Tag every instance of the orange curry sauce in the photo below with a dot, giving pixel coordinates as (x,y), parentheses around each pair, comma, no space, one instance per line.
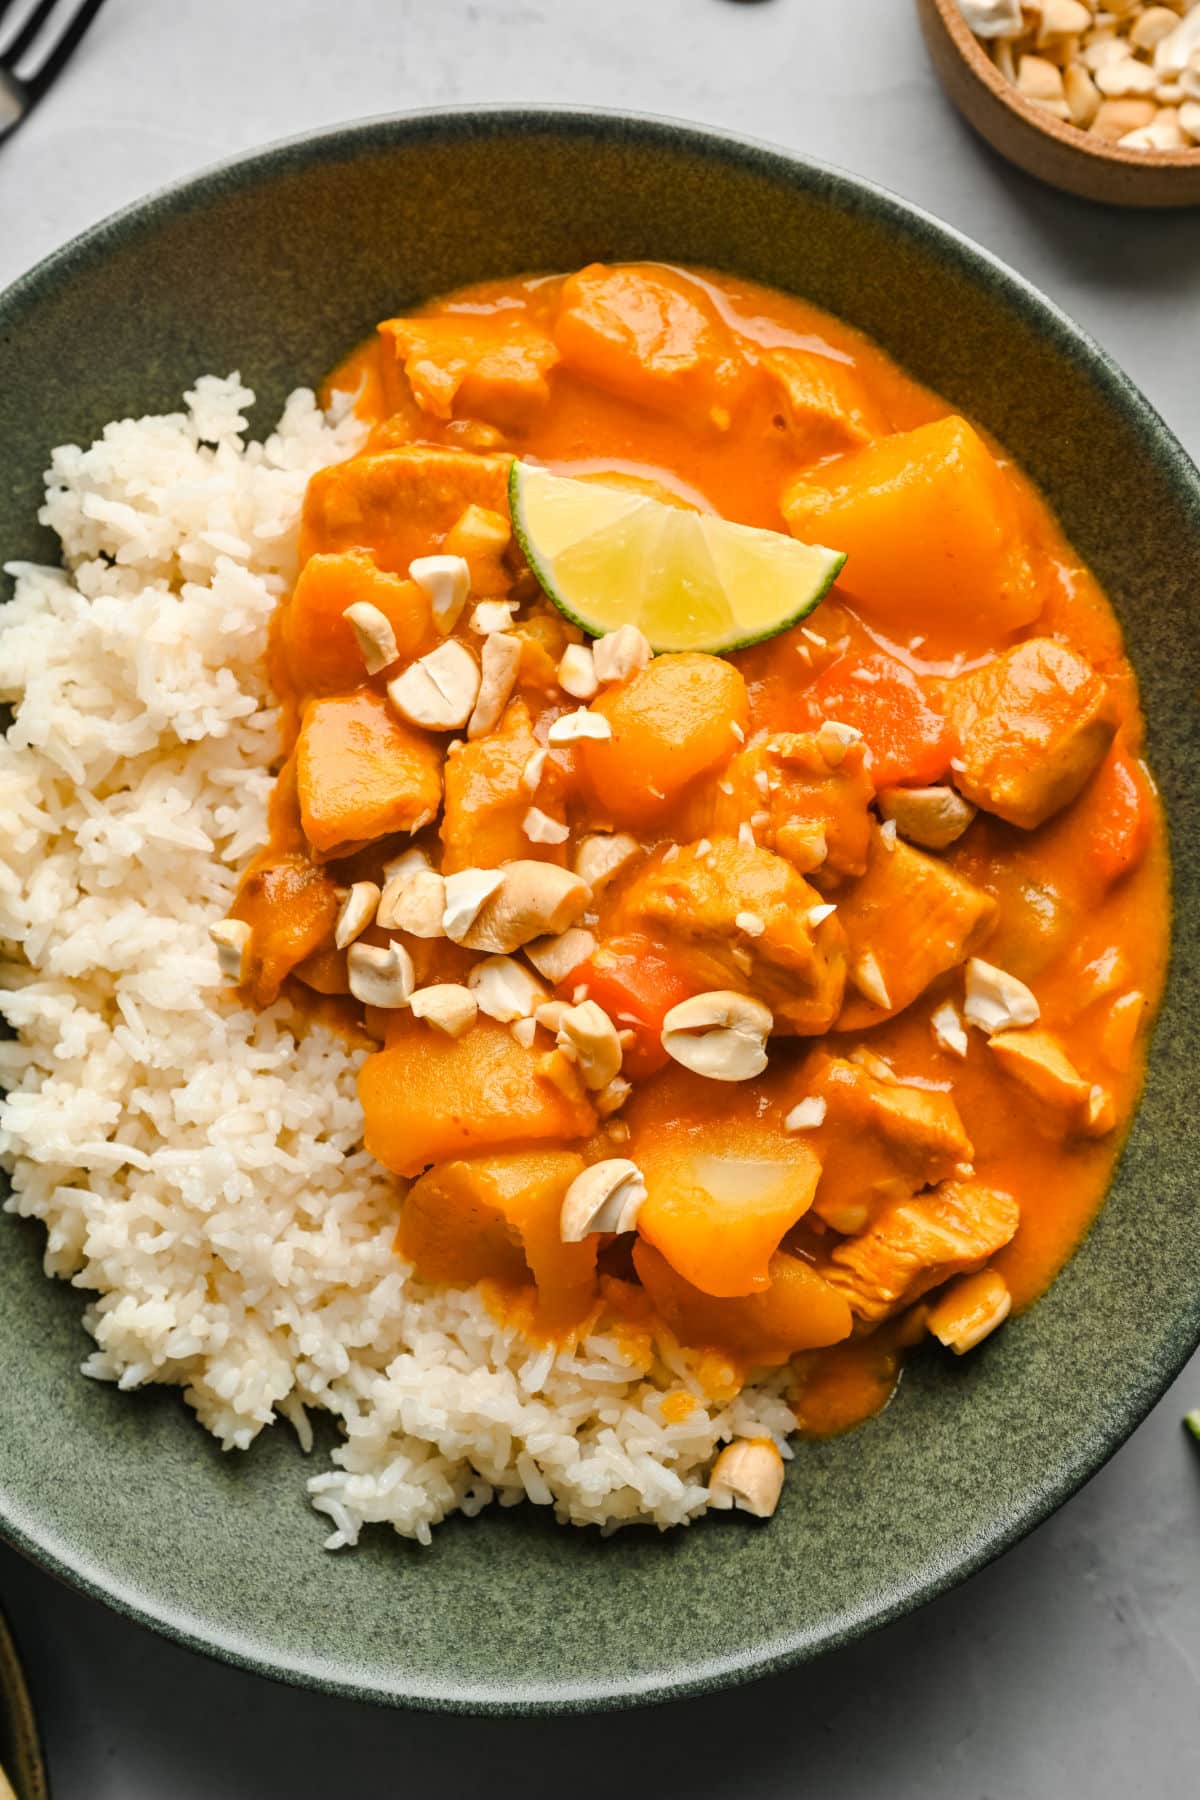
(725,396)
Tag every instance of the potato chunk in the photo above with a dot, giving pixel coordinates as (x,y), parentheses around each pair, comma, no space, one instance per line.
(800,1310)
(290,908)
(908,920)
(919,1243)
(428,1098)
(1033,725)
(497,1218)
(879,1141)
(399,504)
(677,719)
(361,773)
(474,366)
(929,521)
(487,798)
(319,646)
(737,917)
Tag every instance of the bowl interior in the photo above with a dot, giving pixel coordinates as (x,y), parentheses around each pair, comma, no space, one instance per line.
(273,267)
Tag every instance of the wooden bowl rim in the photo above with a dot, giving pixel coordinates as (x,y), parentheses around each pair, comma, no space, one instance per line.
(1071,137)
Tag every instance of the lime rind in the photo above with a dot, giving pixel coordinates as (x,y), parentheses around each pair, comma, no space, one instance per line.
(668,570)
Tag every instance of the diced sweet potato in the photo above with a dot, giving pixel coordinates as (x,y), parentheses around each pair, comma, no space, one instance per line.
(1033,726)
(497,1218)
(802,808)
(653,336)
(398,504)
(427,1098)
(290,908)
(799,1311)
(929,521)
(908,920)
(879,1141)
(917,1244)
(718,1202)
(487,799)
(322,654)
(362,773)
(694,900)
(674,721)
(474,367)
(826,408)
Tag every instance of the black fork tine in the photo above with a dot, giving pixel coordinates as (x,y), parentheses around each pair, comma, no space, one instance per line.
(13,52)
(67,44)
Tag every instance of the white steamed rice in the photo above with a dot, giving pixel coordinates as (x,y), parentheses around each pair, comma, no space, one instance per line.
(198,1168)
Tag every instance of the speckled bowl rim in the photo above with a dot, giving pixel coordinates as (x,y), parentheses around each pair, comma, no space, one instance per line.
(1083,1457)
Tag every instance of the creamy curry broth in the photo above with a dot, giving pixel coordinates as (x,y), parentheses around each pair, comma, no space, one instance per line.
(730,426)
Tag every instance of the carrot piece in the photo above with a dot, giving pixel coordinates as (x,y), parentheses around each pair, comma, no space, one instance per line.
(322,654)
(799,1311)
(909,740)
(678,718)
(428,1099)
(718,1213)
(637,982)
(1119,801)
(291,908)
(497,1218)
(361,773)
(929,521)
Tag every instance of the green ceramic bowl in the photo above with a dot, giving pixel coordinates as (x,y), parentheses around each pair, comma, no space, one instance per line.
(274,266)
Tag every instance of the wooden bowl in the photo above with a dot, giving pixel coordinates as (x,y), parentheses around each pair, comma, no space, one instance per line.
(1040,144)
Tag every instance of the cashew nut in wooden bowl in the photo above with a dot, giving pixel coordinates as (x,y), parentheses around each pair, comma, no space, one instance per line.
(1029,134)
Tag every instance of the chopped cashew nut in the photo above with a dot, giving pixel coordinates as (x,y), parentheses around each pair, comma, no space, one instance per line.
(868,979)
(621,653)
(446,581)
(439,690)
(1099,1112)
(834,739)
(231,937)
(607,1197)
(748,1475)
(524,1031)
(600,859)
(612,1098)
(746,837)
(555,957)
(588,1034)
(969,1310)
(540,828)
(414,902)
(996,1000)
(373,634)
(356,913)
(934,817)
(817,915)
(380,975)
(466,892)
(887,835)
(720,1034)
(549,1017)
(448,1005)
(949,1033)
(750,923)
(531,774)
(504,989)
(500,660)
(806,1115)
(492,615)
(407,863)
(530,900)
(573,727)
(577,672)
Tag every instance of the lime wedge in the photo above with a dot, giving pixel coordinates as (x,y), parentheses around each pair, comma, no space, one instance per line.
(609,556)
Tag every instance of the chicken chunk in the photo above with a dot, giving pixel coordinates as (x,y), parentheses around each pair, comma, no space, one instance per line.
(1033,725)
(737,917)
(489,793)
(399,504)
(474,366)
(907,921)
(919,1243)
(823,403)
(812,813)
(879,1141)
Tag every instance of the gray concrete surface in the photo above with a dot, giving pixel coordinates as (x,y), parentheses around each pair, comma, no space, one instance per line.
(1070,1668)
